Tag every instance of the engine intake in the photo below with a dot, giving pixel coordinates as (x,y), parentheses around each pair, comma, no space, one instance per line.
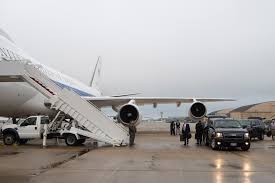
(129,115)
(197,110)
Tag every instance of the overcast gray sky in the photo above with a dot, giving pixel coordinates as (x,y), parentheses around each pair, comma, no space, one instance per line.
(205,48)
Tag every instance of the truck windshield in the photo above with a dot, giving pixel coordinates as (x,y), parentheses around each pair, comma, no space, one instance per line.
(227,124)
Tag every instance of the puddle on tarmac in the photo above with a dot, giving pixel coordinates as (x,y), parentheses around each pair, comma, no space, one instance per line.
(56,164)
(234,166)
(8,153)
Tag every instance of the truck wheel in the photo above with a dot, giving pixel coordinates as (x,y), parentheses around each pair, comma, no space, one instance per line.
(71,140)
(213,144)
(81,141)
(23,141)
(9,139)
(261,137)
(245,148)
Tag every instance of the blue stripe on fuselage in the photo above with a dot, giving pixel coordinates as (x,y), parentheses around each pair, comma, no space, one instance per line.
(79,92)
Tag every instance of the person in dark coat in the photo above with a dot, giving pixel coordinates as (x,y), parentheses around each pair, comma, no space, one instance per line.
(132,133)
(172,128)
(199,132)
(205,133)
(177,128)
(186,133)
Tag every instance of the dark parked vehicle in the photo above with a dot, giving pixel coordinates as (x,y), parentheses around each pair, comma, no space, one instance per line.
(255,127)
(227,133)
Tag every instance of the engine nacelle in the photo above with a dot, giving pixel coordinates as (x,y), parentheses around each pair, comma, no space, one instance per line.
(197,110)
(129,115)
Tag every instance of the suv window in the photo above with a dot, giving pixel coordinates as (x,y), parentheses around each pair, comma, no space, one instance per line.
(45,120)
(29,121)
(245,122)
(227,124)
(254,123)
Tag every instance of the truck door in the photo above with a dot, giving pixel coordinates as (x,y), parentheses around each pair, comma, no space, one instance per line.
(28,129)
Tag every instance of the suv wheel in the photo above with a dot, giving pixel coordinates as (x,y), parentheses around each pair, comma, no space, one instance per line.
(261,137)
(213,144)
(9,139)
(71,140)
(245,148)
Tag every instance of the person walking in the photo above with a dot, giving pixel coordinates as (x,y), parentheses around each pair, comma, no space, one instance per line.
(172,128)
(178,127)
(205,132)
(199,132)
(186,133)
(272,128)
(132,133)
(272,125)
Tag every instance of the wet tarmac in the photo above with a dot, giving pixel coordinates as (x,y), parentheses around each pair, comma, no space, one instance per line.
(155,158)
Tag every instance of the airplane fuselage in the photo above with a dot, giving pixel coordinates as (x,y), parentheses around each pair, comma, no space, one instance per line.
(20,99)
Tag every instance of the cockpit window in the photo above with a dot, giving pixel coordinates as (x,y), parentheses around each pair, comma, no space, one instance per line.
(4,34)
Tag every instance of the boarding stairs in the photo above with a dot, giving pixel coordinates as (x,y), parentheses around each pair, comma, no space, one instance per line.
(95,123)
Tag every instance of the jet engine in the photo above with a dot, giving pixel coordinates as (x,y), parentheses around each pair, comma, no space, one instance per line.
(129,115)
(197,110)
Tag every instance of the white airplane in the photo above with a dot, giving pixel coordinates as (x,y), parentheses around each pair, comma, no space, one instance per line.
(19,99)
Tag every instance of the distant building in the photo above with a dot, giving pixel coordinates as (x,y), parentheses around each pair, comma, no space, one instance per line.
(264,110)
(223,112)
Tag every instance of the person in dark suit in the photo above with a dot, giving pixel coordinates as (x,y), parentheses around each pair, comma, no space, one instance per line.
(199,132)
(172,128)
(177,127)
(186,133)
(132,133)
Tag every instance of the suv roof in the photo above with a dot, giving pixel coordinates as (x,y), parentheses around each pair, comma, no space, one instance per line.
(216,116)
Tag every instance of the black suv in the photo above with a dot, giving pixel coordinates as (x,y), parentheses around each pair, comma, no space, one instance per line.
(255,127)
(227,133)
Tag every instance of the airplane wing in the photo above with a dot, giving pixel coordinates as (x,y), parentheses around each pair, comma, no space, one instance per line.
(117,101)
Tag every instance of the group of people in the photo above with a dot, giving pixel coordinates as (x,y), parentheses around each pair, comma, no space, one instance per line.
(186,131)
(175,128)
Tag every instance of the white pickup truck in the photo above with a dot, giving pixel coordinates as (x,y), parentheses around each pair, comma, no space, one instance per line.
(33,128)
